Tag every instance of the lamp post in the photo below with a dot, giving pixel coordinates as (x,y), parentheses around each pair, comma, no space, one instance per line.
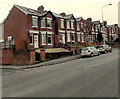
(104,36)
(102,10)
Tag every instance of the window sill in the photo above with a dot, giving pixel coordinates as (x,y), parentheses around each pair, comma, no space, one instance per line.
(49,27)
(43,44)
(50,44)
(34,26)
(43,27)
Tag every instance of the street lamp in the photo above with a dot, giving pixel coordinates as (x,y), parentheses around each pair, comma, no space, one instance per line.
(102,10)
(104,36)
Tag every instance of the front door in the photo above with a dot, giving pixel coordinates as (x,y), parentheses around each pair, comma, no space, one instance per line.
(63,38)
(35,41)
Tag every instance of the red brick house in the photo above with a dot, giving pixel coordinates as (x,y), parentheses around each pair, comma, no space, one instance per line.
(30,28)
(96,25)
(79,29)
(26,29)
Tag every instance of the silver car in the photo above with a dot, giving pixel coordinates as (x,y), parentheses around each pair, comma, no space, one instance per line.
(89,51)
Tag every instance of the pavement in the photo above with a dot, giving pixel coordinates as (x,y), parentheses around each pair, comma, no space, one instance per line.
(47,63)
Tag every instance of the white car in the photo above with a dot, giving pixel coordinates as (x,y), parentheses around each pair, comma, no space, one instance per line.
(89,51)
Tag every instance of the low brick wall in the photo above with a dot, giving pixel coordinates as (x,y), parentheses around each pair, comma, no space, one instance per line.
(10,56)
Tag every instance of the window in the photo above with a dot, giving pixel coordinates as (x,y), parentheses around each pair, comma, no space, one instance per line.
(73,36)
(81,25)
(68,24)
(34,21)
(49,38)
(31,38)
(96,28)
(43,23)
(72,24)
(82,37)
(90,37)
(78,26)
(62,23)
(68,37)
(78,37)
(49,22)
(43,38)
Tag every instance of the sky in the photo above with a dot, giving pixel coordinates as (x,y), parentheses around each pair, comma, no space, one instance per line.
(79,8)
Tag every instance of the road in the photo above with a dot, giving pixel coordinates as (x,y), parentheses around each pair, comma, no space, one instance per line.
(84,77)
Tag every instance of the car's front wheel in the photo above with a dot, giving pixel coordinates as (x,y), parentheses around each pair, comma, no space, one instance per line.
(105,52)
(91,55)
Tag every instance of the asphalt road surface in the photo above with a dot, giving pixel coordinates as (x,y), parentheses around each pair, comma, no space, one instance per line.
(84,77)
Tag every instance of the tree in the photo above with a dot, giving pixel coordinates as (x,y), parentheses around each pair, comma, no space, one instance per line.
(99,37)
(87,28)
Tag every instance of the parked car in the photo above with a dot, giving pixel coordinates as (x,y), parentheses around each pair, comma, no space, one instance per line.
(89,51)
(104,48)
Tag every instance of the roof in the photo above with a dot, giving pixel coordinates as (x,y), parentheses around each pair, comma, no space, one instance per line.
(30,11)
(68,16)
(79,18)
(35,12)
(57,15)
(96,22)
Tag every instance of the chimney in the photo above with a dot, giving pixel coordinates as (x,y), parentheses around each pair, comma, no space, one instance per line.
(40,8)
(63,14)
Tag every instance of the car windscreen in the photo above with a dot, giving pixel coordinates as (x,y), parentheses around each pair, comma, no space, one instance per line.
(84,49)
(99,46)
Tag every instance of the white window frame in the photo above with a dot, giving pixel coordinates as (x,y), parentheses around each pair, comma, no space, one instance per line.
(49,19)
(78,26)
(78,36)
(68,36)
(72,24)
(43,33)
(43,20)
(68,24)
(62,23)
(50,33)
(81,25)
(35,18)
(74,36)
(82,37)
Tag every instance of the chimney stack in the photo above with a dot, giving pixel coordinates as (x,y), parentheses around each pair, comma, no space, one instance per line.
(40,8)
(63,14)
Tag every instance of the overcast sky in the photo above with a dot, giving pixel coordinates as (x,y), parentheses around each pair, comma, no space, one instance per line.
(84,8)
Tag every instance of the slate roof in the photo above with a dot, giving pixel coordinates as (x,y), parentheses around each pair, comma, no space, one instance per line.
(96,22)
(35,12)
(68,16)
(30,11)
(79,18)
(57,15)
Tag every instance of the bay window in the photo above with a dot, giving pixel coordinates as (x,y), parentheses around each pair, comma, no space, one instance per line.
(68,24)
(78,37)
(72,24)
(49,39)
(49,22)
(43,25)
(34,21)
(68,36)
(44,38)
(62,23)
(73,37)
(78,26)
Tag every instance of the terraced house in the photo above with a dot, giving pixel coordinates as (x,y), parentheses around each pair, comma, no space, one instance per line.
(28,29)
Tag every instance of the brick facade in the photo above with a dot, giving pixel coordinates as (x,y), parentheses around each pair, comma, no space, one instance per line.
(31,29)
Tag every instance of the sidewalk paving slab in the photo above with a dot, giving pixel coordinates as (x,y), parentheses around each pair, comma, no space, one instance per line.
(47,63)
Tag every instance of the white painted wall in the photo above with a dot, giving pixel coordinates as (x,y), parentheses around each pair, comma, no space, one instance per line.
(1,32)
